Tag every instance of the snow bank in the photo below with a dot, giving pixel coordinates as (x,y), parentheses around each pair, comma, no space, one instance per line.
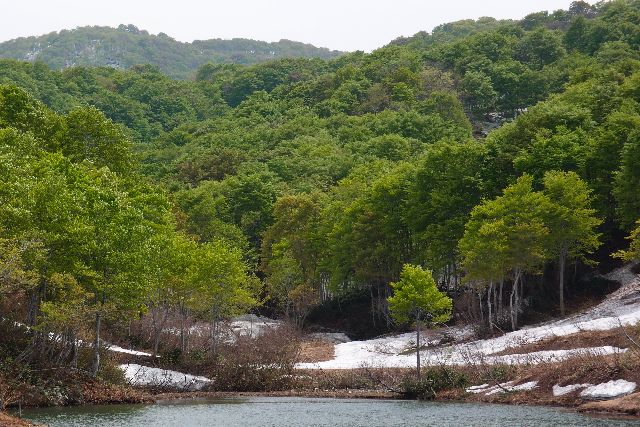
(119,349)
(559,390)
(622,308)
(332,337)
(608,390)
(139,375)
(507,387)
(365,354)
(477,388)
(252,325)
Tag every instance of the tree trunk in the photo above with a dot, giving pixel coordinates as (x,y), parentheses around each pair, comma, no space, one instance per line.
(418,346)
(214,332)
(500,296)
(158,328)
(513,300)
(183,337)
(74,354)
(489,314)
(561,262)
(96,346)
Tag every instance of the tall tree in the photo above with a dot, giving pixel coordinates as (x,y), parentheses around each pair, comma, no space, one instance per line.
(572,223)
(512,225)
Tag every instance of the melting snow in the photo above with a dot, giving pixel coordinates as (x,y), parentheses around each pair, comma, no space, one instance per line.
(608,390)
(145,376)
(559,390)
(622,308)
(502,388)
(119,349)
(508,388)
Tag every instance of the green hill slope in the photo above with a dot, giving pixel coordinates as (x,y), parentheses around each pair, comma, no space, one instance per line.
(126,46)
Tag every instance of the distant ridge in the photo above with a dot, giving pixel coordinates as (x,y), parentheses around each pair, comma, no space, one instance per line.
(127,45)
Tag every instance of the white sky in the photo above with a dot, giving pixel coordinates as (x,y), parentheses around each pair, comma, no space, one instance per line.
(337,24)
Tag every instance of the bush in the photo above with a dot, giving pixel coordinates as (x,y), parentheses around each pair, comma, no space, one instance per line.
(263,363)
(433,380)
(499,373)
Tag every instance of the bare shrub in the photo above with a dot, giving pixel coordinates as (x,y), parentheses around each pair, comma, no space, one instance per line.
(255,363)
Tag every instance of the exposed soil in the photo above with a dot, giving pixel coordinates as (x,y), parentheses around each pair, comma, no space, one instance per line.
(316,351)
(629,405)
(7,420)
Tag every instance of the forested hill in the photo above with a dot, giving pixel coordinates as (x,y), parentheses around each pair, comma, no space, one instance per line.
(127,45)
(492,153)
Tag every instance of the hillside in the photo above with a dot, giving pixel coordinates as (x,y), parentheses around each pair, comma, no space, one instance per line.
(126,46)
(494,164)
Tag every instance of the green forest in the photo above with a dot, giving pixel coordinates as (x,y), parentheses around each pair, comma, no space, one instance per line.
(127,45)
(501,156)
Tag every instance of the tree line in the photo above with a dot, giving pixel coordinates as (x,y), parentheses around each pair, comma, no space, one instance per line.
(494,154)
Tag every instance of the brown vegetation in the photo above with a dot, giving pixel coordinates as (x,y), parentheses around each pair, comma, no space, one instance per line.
(614,337)
(316,351)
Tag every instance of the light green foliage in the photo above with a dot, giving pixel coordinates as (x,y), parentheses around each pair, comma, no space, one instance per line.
(221,284)
(416,297)
(322,178)
(573,222)
(507,235)
(633,253)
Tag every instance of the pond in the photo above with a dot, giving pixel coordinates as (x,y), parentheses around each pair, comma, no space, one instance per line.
(289,411)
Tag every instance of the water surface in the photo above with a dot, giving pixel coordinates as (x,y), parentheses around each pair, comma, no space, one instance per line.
(307,412)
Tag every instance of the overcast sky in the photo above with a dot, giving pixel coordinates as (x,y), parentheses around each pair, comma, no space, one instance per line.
(337,24)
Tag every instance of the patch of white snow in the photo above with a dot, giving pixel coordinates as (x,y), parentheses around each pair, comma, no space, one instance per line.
(508,388)
(139,375)
(119,349)
(559,390)
(608,390)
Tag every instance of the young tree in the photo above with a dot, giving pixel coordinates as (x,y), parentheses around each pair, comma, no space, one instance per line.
(511,232)
(633,253)
(572,222)
(222,284)
(417,298)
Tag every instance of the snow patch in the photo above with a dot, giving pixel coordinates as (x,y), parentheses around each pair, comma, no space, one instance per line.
(621,308)
(608,390)
(508,388)
(559,390)
(139,375)
(119,349)
(332,337)
(477,388)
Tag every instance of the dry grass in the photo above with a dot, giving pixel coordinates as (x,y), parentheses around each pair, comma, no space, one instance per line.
(7,420)
(613,337)
(629,405)
(316,351)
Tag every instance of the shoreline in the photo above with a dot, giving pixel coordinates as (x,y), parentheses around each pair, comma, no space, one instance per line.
(627,407)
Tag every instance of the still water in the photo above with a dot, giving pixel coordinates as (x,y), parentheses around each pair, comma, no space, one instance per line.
(285,411)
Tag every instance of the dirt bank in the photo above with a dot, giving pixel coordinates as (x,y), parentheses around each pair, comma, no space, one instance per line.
(627,405)
(7,420)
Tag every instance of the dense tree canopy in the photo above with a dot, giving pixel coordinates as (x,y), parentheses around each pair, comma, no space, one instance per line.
(489,152)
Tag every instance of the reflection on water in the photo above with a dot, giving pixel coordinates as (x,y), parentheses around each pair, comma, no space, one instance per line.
(289,411)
